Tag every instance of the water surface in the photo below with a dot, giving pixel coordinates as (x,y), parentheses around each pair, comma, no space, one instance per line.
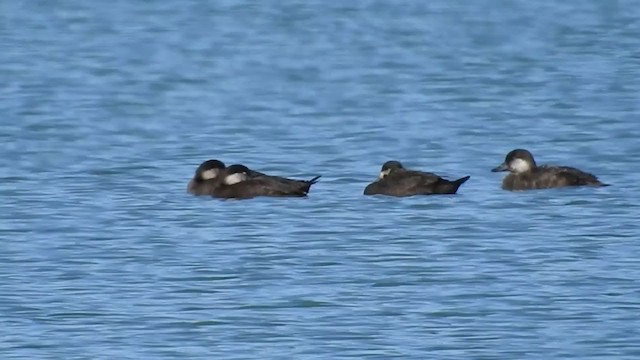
(107,108)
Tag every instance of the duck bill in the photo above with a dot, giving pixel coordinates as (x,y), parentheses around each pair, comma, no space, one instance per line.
(501,167)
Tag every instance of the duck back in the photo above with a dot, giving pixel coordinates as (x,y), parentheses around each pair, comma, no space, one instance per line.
(410,183)
(546,177)
(265,186)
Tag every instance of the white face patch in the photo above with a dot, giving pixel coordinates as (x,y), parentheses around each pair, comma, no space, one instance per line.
(519,166)
(235,178)
(384,173)
(210,174)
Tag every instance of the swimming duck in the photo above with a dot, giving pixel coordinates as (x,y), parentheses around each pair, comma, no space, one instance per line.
(395,180)
(207,178)
(242,183)
(526,175)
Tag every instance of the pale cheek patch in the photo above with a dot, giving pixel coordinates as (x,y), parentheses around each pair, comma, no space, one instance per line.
(234,179)
(383,174)
(210,174)
(519,165)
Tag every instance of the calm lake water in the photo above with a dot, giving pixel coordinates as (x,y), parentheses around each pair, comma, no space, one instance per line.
(107,108)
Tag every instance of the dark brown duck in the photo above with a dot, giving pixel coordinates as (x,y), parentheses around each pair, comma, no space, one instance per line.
(395,180)
(242,183)
(526,175)
(207,178)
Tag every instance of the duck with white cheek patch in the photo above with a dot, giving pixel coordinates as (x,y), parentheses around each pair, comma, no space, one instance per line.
(395,180)
(525,174)
(207,178)
(242,183)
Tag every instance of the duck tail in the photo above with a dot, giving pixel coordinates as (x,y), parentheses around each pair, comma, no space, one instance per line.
(451,187)
(306,185)
(462,180)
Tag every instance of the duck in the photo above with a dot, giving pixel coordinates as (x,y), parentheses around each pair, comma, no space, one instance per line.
(206,178)
(525,174)
(395,180)
(240,182)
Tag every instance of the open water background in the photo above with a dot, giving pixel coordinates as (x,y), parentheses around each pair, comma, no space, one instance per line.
(106,109)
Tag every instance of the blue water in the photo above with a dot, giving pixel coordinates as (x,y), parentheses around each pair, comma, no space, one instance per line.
(106,109)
